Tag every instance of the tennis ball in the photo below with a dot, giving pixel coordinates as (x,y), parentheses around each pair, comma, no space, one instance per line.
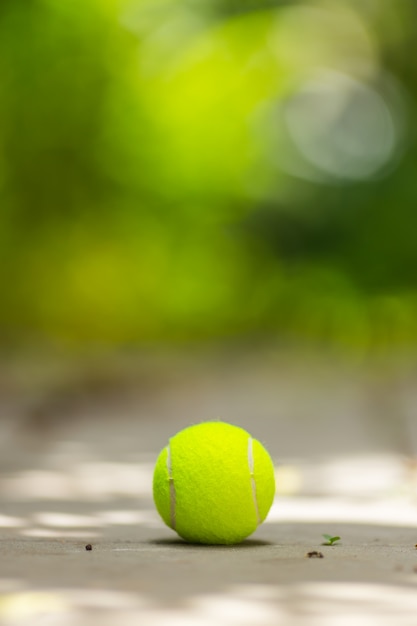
(213,483)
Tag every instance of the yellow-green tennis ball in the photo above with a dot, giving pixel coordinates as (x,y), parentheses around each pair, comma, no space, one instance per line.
(213,483)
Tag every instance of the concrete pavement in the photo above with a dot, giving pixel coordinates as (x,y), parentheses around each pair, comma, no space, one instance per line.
(78,471)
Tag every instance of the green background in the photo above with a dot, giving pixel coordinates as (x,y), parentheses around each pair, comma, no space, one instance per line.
(151,192)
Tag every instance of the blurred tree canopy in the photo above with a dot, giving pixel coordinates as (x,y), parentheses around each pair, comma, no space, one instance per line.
(179,169)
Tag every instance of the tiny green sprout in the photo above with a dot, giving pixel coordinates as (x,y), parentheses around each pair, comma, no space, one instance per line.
(330,540)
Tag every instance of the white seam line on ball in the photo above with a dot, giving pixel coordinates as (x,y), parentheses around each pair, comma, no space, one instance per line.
(172,498)
(251,462)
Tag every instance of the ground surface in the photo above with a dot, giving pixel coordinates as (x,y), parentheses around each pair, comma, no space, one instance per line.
(77,460)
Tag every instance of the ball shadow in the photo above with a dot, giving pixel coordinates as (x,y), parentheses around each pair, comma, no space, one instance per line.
(181,543)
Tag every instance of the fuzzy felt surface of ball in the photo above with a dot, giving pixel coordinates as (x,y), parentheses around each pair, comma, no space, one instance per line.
(213,483)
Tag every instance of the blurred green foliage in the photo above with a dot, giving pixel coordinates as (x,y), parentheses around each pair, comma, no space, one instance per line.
(152,187)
